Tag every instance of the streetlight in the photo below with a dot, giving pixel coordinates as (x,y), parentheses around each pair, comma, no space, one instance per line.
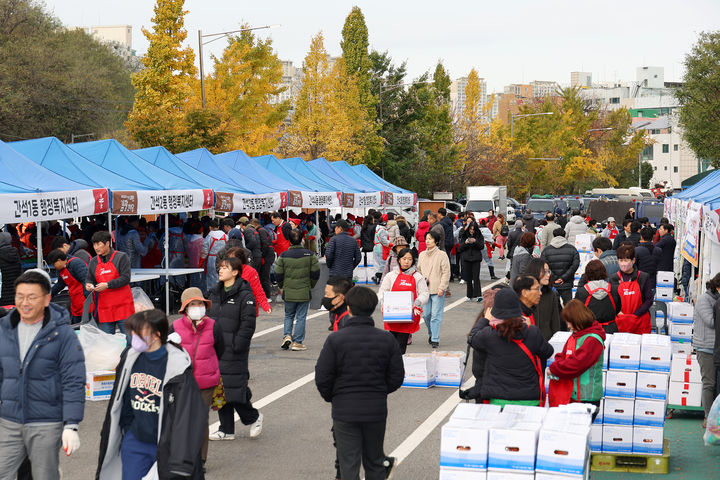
(218,36)
(513,116)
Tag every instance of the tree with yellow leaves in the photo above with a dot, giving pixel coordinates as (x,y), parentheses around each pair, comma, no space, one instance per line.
(163,86)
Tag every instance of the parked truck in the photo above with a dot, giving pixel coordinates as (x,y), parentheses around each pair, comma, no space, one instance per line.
(482,199)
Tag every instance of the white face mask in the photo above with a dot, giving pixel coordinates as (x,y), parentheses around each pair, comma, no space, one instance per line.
(196,312)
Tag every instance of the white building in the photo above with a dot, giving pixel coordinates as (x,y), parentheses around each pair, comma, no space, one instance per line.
(457,94)
(581,79)
(291,80)
(493,105)
(671,158)
(111,33)
(541,89)
(651,77)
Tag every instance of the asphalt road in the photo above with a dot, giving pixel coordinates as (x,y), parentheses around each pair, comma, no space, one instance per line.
(296,441)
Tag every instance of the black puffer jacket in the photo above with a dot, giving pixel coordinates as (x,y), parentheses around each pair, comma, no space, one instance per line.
(252,243)
(513,239)
(563,260)
(367,237)
(357,368)
(406,231)
(342,255)
(509,373)
(471,252)
(530,222)
(647,257)
(79,248)
(10,267)
(235,312)
(666,244)
(478,362)
(547,313)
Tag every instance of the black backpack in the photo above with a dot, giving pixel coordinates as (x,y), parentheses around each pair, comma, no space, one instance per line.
(504,231)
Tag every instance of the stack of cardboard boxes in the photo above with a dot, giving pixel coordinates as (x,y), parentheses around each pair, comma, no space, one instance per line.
(665,286)
(685,381)
(436,369)
(583,243)
(680,326)
(362,274)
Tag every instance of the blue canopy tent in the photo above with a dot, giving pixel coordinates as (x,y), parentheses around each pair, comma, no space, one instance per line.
(301,176)
(707,183)
(30,193)
(365,172)
(241,162)
(323,166)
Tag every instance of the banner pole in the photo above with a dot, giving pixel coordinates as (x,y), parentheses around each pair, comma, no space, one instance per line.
(167,266)
(39,245)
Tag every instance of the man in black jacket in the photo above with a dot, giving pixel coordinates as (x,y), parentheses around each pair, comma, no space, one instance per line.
(268,256)
(564,261)
(666,244)
(252,242)
(447,225)
(10,268)
(342,253)
(648,255)
(358,388)
(513,239)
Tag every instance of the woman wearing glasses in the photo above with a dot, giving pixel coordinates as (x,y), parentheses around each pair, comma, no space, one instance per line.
(547,311)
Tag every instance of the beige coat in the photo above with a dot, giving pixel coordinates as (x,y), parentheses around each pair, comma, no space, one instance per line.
(434,265)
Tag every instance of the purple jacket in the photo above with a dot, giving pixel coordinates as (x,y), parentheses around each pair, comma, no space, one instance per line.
(204,346)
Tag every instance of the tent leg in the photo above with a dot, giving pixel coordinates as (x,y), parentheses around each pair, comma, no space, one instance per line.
(110,226)
(167,266)
(39,245)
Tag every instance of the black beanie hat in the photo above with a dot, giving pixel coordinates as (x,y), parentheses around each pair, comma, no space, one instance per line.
(507,305)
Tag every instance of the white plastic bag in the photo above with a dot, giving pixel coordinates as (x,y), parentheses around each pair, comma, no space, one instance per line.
(712,430)
(141,300)
(102,350)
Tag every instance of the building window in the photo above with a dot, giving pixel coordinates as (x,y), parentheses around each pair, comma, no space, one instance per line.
(647,153)
(655,131)
(640,114)
(666,148)
(666,169)
(675,147)
(675,169)
(614,99)
(655,169)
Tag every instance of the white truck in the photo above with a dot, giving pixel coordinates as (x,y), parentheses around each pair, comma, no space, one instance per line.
(482,199)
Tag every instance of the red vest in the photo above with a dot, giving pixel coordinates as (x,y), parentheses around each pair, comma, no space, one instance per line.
(113,304)
(281,243)
(75,289)
(200,345)
(630,300)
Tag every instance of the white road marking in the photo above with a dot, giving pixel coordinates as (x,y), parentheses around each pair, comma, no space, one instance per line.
(278,327)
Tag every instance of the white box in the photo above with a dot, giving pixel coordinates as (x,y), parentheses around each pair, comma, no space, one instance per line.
(606,351)
(683,347)
(664,294)
(99,385)
(555,476)
(419,370)
(685,394)
(464,446)
(649,413)
(475,412)
(685,368)
(620,384)
(617,439)
(618,411)
(557,341)
(600,417)
(360,275)
(681,312)
(680,331)
(397,307)
(449,369)
(451,474)
(526,413)
(625,351)
(509,475)
(604,382)
(513,448)
(648,440)
(563,452)
(596,436)
(659,320)
(651,385)
(655,353)
(665,279)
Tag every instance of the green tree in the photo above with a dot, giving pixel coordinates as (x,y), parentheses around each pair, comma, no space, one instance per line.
(164,85)
(699,97)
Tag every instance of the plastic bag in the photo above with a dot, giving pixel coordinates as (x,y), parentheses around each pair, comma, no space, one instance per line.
(712,430)
(102,350)
(141,300)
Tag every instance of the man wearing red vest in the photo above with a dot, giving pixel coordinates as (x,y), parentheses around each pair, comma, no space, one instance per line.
(109,278)
(282,229)
(72,272)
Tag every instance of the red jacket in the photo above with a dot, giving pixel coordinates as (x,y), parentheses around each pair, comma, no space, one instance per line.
(251,275)
(585,357)
(281,244)
(422,230)
(202,346)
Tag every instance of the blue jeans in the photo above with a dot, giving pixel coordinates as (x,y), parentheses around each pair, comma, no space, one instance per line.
(295,311)
(433,316)
(137,457)
(109,327)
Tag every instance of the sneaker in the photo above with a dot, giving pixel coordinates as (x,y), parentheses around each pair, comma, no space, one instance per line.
(298,347)
(470,299)
(462,282)
(269,299)
(287,340)
(220,435)
(479,299)
(435,344)
(256,428)
(389,464)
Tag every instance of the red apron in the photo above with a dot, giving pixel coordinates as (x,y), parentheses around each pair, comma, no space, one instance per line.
(590,296)
(613,233)
(336,323)
(204,261)
(75,289)
(113,304)
(405,283)
(560,392)
(154,256)
(630,300)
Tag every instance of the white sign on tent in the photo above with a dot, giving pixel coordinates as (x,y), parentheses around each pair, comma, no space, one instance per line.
(691,239)
(237,202)
(134,202)
(35,207)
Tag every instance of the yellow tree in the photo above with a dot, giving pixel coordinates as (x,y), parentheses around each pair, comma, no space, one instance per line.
(164,84)
(328,116)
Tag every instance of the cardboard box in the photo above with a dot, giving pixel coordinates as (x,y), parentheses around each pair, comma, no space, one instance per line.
(99,385)
(619,411)
(655,353)
(651,385)
(685,394)
(563,452)
(685,368)
(606,351)
(513,447)
(420,370)
(596,436)
(665,279)
(649,413)
(664,294)
(620,383)
(397,307)
(681,312)
(683,347)
(625,351)
(449,369)
(557,341)
(648,440)
(508,475)
(617,439)
(464,446)
(360,275)
(475,412)
(600,417)
(555,476)
(680,331)
(453,474)
(526,413)
(659,320)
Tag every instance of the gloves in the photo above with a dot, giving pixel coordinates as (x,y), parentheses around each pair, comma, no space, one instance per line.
(70,441)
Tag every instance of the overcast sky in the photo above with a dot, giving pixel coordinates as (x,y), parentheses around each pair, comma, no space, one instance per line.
(506,41)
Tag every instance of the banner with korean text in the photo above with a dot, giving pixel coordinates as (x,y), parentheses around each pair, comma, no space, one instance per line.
(146,202)
(247,203)
(363,200)
(400,199)
(35,207)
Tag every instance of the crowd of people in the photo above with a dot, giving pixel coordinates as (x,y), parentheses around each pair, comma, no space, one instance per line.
(201,359)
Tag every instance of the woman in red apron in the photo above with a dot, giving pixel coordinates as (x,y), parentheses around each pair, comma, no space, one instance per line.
(72,272)
(114,303)
(405,278)
(635,292)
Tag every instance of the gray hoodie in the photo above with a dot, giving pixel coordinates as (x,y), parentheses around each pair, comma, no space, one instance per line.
(576,226)
(703,322)
(599,284)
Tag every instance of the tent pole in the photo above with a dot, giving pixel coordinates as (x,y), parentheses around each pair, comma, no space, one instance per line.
(110,225)
(39,244)
(167,266)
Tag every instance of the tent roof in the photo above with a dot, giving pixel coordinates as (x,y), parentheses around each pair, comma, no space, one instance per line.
(690,181)
(54,155)
(323,166)
(161,157)
(242,162)
(369,174)
(709,182)
(306,180)
(202,159)
(115,157)
(19,174)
